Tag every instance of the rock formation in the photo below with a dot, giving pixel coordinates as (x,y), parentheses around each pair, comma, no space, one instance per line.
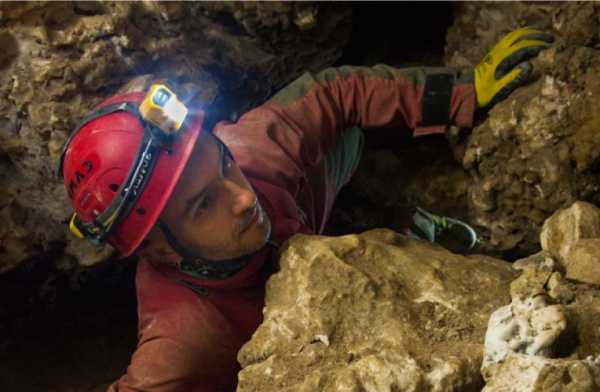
(379,311)
(572,236)
(546,339)
(376,311)
(59,59)
(537,151)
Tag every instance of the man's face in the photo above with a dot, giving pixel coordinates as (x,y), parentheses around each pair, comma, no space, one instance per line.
(213,210)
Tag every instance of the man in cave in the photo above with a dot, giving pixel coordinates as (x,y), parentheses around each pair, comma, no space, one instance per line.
(206,212)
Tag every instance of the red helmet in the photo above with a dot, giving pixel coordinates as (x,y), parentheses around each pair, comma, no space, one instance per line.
(120,170)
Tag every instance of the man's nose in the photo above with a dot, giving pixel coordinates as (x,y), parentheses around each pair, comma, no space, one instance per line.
(242,199)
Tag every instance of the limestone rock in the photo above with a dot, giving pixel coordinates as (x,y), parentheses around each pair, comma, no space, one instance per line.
(558,290)
(542,257)
(563,230)
(581,304)
(479,25)
(537,270)
(376,311)
(522,373)
(538,150)
(529,327)
(59,59)
(583,261)
(572,236)
(547,338)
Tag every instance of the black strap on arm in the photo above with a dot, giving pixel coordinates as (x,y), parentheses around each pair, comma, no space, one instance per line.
(437,99)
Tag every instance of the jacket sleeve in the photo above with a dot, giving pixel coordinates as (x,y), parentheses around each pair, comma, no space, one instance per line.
(294,130)
(162,365)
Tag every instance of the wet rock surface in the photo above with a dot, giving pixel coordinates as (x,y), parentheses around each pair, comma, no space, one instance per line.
(376,311)
(63,58)
(538,150)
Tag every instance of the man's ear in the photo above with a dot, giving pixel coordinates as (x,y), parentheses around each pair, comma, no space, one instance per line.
(157,250)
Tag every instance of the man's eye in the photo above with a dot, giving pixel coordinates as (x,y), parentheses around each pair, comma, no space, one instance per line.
(228,164)
(204,203)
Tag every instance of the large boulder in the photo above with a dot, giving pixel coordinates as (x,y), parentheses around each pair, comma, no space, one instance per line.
(376,311)
(380,311)
(59,59)
(538,150)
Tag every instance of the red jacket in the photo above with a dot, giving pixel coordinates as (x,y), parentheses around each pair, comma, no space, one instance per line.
(189,339)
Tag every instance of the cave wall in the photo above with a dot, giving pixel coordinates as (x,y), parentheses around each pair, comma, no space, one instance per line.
(59,59)
(538,150)
(530,155)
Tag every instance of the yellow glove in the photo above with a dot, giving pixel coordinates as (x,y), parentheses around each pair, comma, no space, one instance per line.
(504,68)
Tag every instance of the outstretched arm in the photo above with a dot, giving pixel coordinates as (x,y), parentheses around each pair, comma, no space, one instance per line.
(294,130)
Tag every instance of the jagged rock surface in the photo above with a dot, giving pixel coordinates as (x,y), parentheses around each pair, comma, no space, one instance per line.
(380,311)
(59,59)
(563,230)
(376,311)
(520,373)
(572,236)
(547,338)
(539,150)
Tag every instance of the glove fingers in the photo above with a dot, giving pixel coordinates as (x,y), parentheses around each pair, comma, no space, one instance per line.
(522,51)
(535,36)
(514,35)
(510,82)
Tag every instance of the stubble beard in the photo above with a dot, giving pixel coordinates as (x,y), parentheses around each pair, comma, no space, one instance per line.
(248,248)
(235,246)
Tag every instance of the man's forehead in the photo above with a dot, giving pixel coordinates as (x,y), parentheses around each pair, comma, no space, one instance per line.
(206,148)
(201,167)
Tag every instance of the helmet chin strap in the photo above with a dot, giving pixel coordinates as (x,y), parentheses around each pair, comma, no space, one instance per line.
(195,265)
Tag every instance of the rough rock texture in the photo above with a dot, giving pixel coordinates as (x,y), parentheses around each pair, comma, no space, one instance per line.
(529,327)
(376,311)
(572,236)
(563,230)
(379,311)
(538,150)
(547,338)
(541,276)
(520,373)
(59,59)
(583,262)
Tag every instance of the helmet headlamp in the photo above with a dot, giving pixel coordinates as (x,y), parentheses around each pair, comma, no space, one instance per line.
(162,108)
